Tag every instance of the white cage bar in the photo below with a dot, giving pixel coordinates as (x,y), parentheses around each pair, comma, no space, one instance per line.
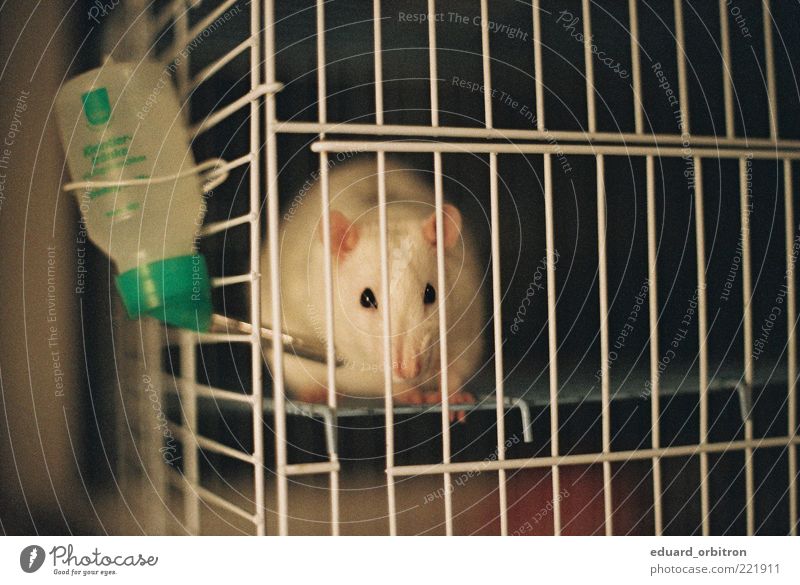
(653,314)
(702,334)
(605,365)
(552,337)
(442,301)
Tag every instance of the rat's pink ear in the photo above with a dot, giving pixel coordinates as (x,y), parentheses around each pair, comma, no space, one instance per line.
(452,226)
(344,235)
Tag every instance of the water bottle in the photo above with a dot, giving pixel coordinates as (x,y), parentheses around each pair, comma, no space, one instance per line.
(121,127)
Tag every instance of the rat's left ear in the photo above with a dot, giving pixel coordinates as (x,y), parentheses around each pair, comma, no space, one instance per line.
(344,235)
(452,226)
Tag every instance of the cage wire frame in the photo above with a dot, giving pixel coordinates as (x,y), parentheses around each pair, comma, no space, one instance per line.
(264,128)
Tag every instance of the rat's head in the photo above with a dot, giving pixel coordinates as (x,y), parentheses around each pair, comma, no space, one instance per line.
(413,288)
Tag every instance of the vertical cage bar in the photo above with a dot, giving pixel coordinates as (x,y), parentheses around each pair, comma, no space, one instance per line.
(791,327)
(387,348)
(727,72)
(279,396)
(702,324)
(437,173)
(537,63)
(256,354)
(152,336)
(329,334)
(191,470)
(496,284)
(589,64)
(552,337)
(769,52)
(387,344)
(322,113)
(322,104)
(487,75)
(443,355)
(187,339)
(655,407)
(378,52)
(181,28)
(636,66)
(497,318)
(605,366)
(432,67)
(683,84)
(744,208)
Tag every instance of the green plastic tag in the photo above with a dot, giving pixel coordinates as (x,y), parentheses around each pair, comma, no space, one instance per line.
(96,106)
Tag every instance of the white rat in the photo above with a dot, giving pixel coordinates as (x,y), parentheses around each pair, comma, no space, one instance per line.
(414,293)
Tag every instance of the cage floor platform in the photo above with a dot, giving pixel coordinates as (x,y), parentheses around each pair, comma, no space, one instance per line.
(576,385)
(524,391)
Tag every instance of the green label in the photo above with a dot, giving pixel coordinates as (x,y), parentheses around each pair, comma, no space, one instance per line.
(96,106)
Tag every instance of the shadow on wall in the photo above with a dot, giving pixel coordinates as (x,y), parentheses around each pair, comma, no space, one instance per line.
(43,424)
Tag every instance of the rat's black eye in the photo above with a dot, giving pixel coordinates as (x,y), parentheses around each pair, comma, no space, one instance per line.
(430,294)
(368,299)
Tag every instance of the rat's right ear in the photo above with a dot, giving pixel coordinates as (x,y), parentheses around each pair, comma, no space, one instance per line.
(452,226)
(344,235)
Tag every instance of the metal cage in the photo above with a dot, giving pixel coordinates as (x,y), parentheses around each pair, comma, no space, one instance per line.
(181,23)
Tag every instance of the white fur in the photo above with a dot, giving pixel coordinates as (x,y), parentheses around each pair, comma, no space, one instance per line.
(412,264)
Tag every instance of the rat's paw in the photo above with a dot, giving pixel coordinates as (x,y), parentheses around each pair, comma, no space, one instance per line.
(455,397)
